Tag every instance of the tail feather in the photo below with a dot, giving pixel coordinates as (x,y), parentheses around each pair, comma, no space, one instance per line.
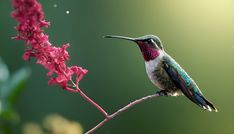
(210,105)
(205,104)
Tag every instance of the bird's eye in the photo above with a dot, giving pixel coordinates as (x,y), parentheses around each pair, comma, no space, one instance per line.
(150,41)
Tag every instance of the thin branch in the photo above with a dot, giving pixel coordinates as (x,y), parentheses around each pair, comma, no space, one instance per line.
(81,93)
(77,90)
(123,109)
(92,102)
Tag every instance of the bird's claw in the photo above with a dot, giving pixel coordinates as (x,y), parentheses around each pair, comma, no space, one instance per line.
(163,93)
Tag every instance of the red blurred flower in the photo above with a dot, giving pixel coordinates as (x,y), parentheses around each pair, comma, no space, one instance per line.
(31,20)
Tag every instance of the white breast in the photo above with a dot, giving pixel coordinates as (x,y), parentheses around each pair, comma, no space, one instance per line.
(151,66)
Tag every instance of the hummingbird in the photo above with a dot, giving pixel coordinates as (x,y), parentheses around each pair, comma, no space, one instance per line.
(165,73)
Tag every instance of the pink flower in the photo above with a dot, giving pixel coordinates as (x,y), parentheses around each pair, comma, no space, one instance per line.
(31,22)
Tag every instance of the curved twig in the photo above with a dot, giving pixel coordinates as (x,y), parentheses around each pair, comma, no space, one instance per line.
(108,118)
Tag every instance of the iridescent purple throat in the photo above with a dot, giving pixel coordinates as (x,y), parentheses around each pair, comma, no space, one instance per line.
(149,53)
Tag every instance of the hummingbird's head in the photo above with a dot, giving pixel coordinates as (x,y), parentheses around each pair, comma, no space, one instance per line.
(150,45)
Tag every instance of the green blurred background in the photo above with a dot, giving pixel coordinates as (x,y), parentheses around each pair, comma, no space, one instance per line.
(199,34)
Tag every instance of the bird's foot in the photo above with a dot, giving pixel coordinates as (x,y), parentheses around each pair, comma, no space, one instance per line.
(163,93)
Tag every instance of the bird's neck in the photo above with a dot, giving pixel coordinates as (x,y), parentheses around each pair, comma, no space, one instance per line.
(149,53)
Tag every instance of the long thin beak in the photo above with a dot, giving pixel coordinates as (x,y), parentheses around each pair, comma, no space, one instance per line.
(120,37)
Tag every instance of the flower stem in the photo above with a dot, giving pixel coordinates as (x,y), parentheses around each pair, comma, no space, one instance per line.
(92,102)
(123,109)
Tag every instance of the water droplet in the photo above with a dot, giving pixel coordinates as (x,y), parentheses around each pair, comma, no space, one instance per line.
(67,12)
(55,5)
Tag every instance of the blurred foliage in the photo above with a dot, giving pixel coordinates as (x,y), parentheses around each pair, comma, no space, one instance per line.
(53,124)
(10,88)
